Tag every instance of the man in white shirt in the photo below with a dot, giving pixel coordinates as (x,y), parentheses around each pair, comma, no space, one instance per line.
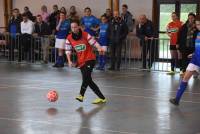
(27,45)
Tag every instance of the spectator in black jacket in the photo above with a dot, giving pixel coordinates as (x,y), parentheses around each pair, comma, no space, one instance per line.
(14,30)
(186,42)
(42,30)
(145,31)
(53,18)
(117,31)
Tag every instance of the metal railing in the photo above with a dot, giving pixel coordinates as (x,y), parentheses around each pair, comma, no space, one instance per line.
(143,55)
(24,48)
(152,54)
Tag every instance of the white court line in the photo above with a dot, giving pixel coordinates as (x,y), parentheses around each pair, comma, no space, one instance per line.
(66,125)
(120,95)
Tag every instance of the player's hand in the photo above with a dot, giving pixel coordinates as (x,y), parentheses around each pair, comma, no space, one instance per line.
(100,49)
(190,56)
(61,20)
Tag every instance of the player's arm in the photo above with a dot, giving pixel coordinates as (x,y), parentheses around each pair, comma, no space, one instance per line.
(68,49)
(93,42)
(59,24)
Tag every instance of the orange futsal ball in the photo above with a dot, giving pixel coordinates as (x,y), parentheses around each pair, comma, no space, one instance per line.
(52,96)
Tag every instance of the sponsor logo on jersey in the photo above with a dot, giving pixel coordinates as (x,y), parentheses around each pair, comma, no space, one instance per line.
(173,30)
(80,47)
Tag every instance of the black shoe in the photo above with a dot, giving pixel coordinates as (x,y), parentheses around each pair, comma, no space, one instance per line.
(174,101)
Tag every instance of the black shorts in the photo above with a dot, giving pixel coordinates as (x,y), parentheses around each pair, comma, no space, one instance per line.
(172,47)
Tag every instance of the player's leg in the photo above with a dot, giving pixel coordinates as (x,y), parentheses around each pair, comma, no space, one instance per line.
(173,52)
(60,45)
(89,68)
(191,69)
(84,84)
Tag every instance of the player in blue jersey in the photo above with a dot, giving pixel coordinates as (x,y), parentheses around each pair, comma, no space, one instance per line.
(193,66)
(63,29)
(89,22)
(103,41)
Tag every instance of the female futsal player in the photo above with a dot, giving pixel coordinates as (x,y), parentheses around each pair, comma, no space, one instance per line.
(193,66)
(83,43)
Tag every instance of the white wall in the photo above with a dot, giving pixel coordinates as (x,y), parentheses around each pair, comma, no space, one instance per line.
(1,14)
(136,7)
(98,6)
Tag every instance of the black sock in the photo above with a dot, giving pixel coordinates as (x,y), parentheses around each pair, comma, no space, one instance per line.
(172,64)
(96,90)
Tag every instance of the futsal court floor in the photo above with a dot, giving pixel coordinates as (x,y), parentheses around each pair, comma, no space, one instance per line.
(137,102)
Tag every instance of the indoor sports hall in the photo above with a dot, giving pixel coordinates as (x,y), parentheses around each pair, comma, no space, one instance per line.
(99,67)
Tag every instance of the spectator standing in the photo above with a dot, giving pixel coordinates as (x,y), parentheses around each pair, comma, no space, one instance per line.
(145,32)
(127,17)
(27,45)
(186,42)
(14,30)
(43,31)
(53,18)
(62,30)
(117,32)
(44,13)
(89,22)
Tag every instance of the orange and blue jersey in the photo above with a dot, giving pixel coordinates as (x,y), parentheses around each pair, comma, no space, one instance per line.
(196,56)
(88,22)
(63,30)
(103,34)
